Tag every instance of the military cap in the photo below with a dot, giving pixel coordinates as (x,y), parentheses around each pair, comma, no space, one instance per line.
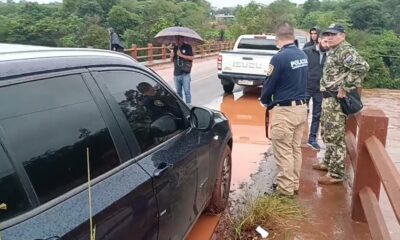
(334,28)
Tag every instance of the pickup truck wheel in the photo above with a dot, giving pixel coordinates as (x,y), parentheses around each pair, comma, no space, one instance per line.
(228,87)
(220,195)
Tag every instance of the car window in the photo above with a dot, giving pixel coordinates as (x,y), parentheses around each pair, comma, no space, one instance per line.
(12,195)
(257,44)
(153,113)
(48,125)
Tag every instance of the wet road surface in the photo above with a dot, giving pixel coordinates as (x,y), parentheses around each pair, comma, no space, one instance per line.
(329,206)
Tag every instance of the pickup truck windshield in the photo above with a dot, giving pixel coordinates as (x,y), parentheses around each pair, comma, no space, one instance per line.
(257,44)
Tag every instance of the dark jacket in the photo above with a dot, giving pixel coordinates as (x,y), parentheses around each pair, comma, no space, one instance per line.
(309,44)
(287,77)
(315,68)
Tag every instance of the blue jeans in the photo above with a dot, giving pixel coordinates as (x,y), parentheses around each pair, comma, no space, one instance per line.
(316,113)
(183,82)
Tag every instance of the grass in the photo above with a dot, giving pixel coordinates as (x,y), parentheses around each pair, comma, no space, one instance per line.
(273,213)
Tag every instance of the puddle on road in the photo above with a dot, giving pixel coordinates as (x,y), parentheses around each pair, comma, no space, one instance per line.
(247,119)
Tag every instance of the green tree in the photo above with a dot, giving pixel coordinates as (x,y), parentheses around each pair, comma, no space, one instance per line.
(4,28)
(120,19)
(89,8)
(369,16)
(281,10)
(320,19)
(250,19)
(311,6)
(71,6)
(96,37)
(107,4)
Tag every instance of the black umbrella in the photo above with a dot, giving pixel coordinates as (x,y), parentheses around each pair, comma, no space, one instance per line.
(168,36)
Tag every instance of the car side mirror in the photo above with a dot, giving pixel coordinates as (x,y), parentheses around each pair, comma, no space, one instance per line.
(163,126)
(201,118)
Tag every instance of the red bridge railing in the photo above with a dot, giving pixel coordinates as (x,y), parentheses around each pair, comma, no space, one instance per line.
(366,138)
(151,53)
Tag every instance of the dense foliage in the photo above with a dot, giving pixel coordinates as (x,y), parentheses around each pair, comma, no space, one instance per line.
(373,26)
(82,23)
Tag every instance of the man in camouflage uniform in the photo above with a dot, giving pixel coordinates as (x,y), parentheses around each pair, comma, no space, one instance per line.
(344,70)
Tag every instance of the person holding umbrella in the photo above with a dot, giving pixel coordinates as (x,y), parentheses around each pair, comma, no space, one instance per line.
(183,39)
(182,56)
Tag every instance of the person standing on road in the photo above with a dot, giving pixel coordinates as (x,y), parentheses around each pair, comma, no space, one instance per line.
(182,56)
(316,55)
(285,94)
(314,34)
(115,41)
(344,70)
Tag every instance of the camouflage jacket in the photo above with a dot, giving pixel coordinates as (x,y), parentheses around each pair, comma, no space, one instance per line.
(344,68)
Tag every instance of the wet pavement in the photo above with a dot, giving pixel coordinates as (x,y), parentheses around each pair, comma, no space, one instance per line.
(328,207)
(254,167)
(247,119)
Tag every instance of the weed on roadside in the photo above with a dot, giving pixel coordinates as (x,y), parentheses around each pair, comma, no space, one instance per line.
(276,214)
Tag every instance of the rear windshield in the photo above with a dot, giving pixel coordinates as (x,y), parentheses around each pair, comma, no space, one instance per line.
(257,44)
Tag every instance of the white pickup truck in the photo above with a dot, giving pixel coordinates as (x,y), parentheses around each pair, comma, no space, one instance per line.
(247,64)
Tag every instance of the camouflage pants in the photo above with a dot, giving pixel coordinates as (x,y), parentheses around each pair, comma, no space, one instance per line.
(333,123)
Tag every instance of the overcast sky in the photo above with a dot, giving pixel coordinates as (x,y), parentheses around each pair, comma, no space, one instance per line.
(215,3)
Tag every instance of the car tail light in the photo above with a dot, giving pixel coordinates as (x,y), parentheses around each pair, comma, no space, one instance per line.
(219,63)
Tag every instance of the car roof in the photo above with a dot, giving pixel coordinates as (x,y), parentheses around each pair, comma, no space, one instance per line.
(7,47)
(31,59)
(266,36)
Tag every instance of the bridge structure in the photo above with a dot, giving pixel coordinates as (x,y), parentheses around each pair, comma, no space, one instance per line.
(353,209)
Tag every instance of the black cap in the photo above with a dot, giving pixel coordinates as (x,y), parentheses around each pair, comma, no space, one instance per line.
(334,28)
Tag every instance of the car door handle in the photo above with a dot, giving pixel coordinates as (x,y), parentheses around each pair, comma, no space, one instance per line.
(161,169)
(3,206)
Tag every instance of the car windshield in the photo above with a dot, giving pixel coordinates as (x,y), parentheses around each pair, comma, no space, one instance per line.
(257,44)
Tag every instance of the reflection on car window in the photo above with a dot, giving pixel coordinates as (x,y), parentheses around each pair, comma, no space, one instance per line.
(143,101)
(48,125)
(11,192)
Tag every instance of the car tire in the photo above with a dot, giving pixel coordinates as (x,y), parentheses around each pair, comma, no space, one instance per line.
(220,195)
(228,87)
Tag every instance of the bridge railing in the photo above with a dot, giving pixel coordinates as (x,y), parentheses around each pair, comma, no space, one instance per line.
(366,138)
(161,54)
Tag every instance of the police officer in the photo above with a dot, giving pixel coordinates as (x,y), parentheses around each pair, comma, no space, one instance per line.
(284,93)
(344,70)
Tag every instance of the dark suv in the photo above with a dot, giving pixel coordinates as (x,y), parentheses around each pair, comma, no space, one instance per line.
(69,115)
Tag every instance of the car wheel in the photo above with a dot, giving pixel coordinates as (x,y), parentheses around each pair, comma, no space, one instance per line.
(228,87)
(220,195)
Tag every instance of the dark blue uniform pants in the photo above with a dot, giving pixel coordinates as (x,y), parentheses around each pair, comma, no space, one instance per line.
(316,113)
